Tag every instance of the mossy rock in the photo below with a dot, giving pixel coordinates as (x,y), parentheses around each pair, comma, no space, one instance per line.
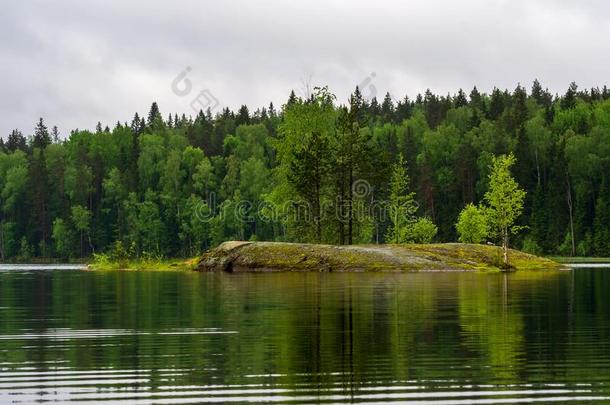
(277,256)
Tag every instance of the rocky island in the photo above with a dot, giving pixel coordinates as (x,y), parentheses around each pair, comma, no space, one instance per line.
(237,256)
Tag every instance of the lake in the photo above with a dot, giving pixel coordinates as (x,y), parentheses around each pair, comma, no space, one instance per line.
(186,337)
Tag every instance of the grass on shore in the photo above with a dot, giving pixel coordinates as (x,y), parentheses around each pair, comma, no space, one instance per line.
(103,262)
(485,257)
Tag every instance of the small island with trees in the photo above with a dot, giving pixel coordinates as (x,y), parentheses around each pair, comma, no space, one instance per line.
(409,238)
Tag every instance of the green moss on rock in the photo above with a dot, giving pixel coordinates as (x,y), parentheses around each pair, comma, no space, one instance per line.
(277,256)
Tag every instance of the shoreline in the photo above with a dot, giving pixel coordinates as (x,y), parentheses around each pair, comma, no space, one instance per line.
(199,263)
(175,264)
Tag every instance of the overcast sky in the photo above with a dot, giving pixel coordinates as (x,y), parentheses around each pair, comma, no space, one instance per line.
(78,62)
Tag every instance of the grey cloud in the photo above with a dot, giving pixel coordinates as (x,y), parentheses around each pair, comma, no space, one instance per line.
(75,62)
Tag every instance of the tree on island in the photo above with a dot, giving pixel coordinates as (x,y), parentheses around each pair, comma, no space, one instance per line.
(505,200)
(405,226)
(473,225)
(504,204)
(304,153)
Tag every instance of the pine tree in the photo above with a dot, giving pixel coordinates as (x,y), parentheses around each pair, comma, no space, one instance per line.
(55,134)
(41,136)
(601,224)
(460,99)
(519,112)
(309,170)
(433,109)
(537,92)
(352,159)
(292,99)
(476,100)
(154,114)
(16,141)
(496,105)
(243,116)
(404,110)
(387,109)
(402,205)
(374,109)
(38,197)
(569,99)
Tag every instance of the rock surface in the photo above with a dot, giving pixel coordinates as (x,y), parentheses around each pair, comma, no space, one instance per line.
(237,256)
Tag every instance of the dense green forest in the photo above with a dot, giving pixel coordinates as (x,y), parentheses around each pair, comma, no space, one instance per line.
(315,170)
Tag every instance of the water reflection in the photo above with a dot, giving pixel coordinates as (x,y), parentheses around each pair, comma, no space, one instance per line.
(163,337)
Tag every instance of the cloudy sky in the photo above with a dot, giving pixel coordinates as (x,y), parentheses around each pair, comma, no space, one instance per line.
(78,62)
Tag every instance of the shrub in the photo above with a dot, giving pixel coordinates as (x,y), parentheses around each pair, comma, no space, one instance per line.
(531,246)
(422,230)
(472,225)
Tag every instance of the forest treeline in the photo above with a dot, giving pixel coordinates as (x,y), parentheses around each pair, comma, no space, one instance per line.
(175,185)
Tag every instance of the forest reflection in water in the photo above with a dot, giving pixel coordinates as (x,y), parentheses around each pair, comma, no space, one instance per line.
(177,337)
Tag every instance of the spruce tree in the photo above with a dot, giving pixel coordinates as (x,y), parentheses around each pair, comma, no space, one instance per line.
(460,99)
(404,110)
(387,109)
(41,136)
(568,101)
(16,141)
(55,134)
(243,116)
(496,104)
(476,100)
(154,114)
(402,206)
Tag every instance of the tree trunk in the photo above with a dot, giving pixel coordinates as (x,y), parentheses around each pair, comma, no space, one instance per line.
(90,243)
(569,196)
(537,167)
(350,202)
(339,210)
(505,246)
(317,214)
(2,241)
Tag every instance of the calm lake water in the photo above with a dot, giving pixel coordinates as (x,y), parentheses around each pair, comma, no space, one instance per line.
(184,337)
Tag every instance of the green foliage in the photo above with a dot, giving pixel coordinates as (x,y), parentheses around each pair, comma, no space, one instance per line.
(9,243)
(565,248)
(63,238)
(505,201)
(81,217)
(176,187)
(402,205)
(25,250)
(422,230)
(531,246)
(472,225)
(405,226)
